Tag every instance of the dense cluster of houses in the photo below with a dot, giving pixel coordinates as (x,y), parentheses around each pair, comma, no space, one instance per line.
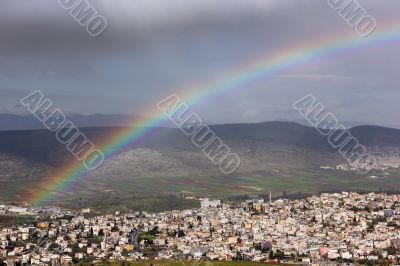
(384,159)
(339,227)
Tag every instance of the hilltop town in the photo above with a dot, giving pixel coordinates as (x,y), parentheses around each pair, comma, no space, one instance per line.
(339,227)
(385,159)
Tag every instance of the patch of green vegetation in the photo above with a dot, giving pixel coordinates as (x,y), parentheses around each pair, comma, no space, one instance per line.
(166,193)
(110,203)
(146,237)
(8,220)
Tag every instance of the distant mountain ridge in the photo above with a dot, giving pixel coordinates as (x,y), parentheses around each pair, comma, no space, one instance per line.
(42,146)
(28,122)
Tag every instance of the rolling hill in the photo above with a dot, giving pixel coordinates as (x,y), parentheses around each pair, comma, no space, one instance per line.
(286,155)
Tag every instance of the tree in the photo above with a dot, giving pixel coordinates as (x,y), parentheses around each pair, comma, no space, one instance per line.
(271,255)
(279,254)
(181,233)
(391,250)
(53,246)
(154,231)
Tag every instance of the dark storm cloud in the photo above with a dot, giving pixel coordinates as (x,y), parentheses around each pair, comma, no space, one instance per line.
(153,48)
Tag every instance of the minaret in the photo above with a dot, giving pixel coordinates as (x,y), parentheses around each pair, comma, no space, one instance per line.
(105,241)
(270,198)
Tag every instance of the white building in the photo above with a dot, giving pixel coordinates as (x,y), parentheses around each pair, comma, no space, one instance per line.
(207,203)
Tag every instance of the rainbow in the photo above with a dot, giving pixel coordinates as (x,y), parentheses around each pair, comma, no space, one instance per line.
(255,70)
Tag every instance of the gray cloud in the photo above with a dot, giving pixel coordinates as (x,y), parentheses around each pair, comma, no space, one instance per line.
(154,48)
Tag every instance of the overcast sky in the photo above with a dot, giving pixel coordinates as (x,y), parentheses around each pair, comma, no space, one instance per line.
(152,48)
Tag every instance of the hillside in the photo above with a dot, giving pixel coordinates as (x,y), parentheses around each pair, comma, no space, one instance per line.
(282,151)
